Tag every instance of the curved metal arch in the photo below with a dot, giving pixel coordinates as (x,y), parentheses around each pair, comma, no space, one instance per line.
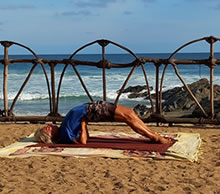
(38,61)
(18,44)
(103,43)
(148,87)
(61,79)
(191,42)
(210,40)
(124,48)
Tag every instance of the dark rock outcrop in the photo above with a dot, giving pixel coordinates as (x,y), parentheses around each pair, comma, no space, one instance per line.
(178,99)
(206,106)
(143,111)
(136,91)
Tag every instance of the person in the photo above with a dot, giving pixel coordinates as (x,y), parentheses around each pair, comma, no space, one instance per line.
(74,129)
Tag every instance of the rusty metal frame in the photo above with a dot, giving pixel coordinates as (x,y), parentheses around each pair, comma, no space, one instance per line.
(211,63)
(53,115)
(6,62)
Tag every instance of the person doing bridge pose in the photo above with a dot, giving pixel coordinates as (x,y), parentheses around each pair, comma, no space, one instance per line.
(74,126)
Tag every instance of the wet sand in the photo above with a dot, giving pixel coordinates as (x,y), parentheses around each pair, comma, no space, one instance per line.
(55,174)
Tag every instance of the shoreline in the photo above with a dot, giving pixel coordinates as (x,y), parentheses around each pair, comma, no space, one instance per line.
(55,174)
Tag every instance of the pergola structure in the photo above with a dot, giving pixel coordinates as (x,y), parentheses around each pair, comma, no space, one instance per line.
(7,112)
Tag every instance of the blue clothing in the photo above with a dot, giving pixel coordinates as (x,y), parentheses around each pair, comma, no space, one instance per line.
(71,126)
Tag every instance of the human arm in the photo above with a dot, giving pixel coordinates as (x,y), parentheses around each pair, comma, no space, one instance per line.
(84,135)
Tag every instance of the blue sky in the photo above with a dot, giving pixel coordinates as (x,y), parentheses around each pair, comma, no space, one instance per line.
(144,26)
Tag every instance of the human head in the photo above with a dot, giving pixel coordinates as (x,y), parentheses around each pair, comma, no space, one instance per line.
(46,134)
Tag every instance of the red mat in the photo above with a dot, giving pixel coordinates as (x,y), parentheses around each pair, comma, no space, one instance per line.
(114,143)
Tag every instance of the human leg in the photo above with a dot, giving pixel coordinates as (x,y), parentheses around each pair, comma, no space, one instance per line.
(127,115)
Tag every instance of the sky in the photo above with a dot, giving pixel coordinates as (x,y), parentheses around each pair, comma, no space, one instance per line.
(143,26)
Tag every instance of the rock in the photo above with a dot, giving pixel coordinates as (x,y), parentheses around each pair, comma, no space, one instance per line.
(137,88)
(178,99)
(143,111)
(217,115)
(206,106)
(137,95)
(136,91)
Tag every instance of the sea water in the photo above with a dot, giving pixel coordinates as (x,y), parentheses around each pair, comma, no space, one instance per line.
(34,100)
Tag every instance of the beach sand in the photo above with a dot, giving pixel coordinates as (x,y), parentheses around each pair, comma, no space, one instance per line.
(55,174)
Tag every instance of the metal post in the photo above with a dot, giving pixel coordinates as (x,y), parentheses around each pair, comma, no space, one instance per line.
(157,89)
(212,65)
(5,80)
(103,73)
(52,65)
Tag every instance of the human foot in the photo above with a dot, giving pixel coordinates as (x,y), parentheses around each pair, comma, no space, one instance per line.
(163,140)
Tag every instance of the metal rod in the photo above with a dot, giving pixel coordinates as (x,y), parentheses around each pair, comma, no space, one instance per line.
(22,87)
(47,81)
(212,65)
(161,86)
(187,88)
(52,65)
(115,65)
(125,83)
(5,80)
(59,86)
(103,73)
(157,88)
(84,86)
(148,87)
(211,93)
(60,119)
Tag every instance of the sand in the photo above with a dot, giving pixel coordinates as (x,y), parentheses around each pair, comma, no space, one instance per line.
(55,174)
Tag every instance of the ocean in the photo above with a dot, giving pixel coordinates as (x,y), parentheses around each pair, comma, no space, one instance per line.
(34,98)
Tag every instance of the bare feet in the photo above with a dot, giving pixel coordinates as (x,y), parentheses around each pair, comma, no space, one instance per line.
(163,140)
